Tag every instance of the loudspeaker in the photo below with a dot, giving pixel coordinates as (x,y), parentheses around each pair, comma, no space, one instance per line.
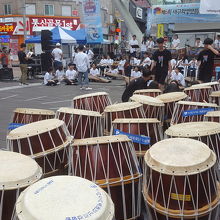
(46,61)
(6,73)
(46,37)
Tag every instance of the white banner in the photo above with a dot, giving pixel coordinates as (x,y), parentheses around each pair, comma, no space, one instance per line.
(209,7)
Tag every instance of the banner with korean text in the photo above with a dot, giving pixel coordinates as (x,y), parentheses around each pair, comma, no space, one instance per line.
(209,7)
(92,21)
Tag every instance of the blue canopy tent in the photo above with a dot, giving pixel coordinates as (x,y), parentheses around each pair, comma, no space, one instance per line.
(63,36)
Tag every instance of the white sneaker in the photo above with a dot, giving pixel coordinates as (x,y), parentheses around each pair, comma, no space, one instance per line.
(20,84)
(81,88)
(88,88)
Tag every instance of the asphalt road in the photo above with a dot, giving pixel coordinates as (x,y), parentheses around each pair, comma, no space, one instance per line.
(37,95)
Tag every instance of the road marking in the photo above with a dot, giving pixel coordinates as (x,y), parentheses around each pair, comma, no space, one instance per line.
(20,87)
(40,97)
(68,100)
(8,97)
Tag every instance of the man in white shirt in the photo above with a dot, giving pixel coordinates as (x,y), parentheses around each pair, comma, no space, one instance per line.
(49,78)
(175,42)
(89,53)
(178,76)
(71,75)
(198,42)
(217,42)
(132,43)
(57,54)
(82,65)
(147,61)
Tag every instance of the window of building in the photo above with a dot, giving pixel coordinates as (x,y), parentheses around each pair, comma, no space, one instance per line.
(30,9)
(49,10)
(66,10)
(7,9)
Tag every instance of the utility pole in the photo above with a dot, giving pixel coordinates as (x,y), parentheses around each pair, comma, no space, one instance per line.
(24,20)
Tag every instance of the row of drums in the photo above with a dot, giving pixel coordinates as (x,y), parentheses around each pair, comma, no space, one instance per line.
(120,148)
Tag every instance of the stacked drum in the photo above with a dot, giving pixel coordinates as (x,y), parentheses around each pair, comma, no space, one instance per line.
(46,141)
(81,123)
(111,163)
(180,181)
(64,197)
(17,172)
(148,92)
(212,116)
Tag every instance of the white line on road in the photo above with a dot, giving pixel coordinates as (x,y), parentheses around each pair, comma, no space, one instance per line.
(19,87)
(40,97)
(8,97)
(68,100)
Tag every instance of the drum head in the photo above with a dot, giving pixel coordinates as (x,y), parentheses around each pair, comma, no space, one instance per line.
(101,140)
(147,100)
(32,111)
(180,157)
(64,198)
(213,114)
(17,170)
(73,111)
(172,97)
(34,128)
(215,94)
(147,91)
(197,87)
(136,121)
(206,84)
(203,104)
(122,106)
(91,95)
(193,129)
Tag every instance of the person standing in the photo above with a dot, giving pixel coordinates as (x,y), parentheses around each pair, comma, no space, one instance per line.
(133,43)
(206,61)
(217,42)
(143,46)
(82,65)
(90,54)
(23,59)
(57,54)
(175,42)
(161,60)
(198,43)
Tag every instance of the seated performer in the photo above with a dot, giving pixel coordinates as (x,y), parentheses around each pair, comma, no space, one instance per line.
(71,75)
(49,78)
(94,75)
(59,75)
(135,73)
(177,76)
(113,72)
(143,82)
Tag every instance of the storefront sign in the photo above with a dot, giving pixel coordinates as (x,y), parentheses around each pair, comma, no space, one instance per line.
(7,28)
(209,7)
(39,24)
(93,21)
(181,13)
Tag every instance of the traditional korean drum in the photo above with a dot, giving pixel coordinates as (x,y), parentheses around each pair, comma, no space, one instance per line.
(143,132)
(180,180)
(153,107)
(148,92)
(22,116)
(121,110)
(169,99)
(93,102)
(199,93)
(45,141)
(215,97)
(212,116)
(64,198)
(111,163)
(17,172)
(215,85)
(206,132)
(185,111)
(81,123)
(29,115)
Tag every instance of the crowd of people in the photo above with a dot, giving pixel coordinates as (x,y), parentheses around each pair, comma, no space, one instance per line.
(149,61)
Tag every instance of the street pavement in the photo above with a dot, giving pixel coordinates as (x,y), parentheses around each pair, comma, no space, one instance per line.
(36,95)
